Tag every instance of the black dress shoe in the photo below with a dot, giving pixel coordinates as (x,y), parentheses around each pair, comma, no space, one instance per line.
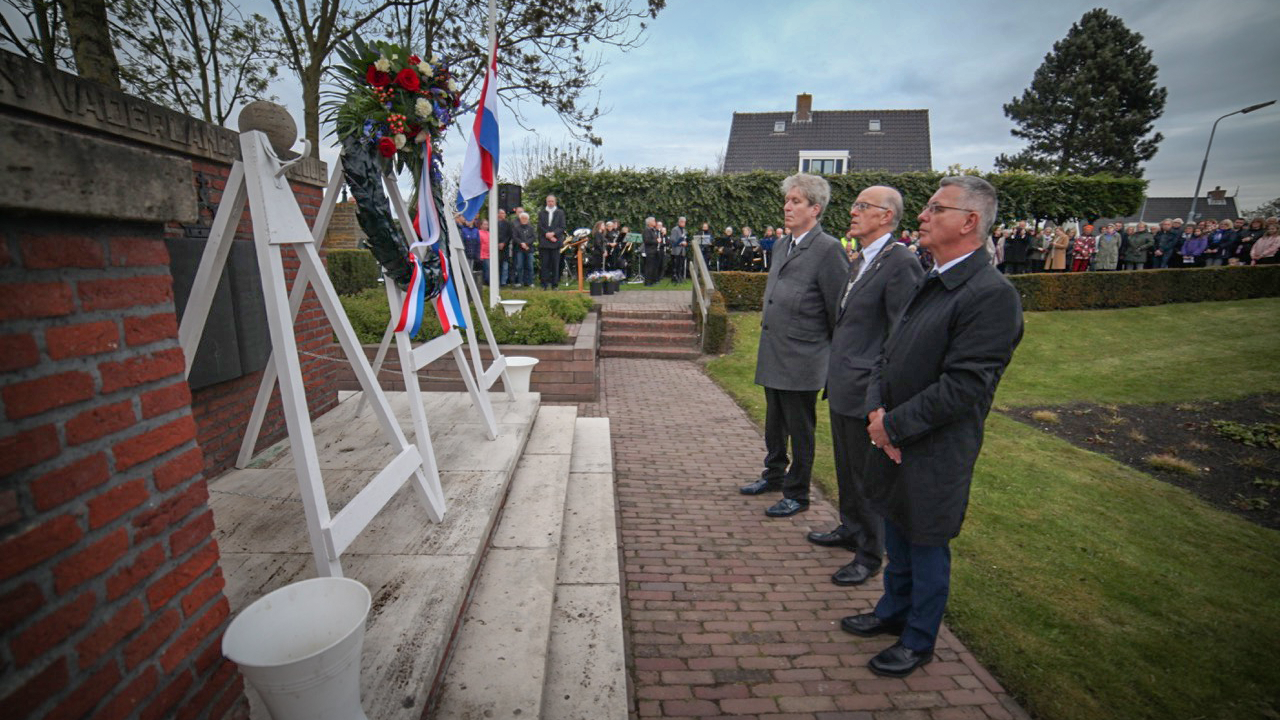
(898,660)
(869,625)
(786,507)
(855,573)
(759,487)
(836,538)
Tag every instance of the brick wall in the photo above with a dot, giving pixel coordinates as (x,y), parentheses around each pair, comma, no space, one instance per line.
(344,232)
(110,591)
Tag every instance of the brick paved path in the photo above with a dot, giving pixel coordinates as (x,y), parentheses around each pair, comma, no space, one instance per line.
(730,613)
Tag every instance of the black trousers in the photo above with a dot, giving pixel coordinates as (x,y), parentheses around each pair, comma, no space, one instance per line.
(549,267)
(852,444)
(652,268)
(789,414)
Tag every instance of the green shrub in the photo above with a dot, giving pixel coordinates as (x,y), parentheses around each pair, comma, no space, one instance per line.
(1083,291)
(570,307)
(537,324)
(352,271)
(715,332)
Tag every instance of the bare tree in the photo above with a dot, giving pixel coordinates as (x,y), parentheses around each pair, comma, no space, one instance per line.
(38,30)
(538,156)
(90,38)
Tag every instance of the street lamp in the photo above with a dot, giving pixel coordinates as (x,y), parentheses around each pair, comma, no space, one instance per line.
(1191,216)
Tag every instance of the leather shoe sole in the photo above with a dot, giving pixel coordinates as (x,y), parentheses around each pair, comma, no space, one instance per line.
(760,487)
(855,573)
(868,625)
(786,507)
(898,661)
(835,538)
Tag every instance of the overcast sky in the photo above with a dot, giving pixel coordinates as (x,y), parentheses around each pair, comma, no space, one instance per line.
(671,101)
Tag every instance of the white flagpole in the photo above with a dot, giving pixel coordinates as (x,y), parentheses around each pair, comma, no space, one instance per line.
(494,257)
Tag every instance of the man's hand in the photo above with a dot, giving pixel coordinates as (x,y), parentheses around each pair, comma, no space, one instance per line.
(880,438)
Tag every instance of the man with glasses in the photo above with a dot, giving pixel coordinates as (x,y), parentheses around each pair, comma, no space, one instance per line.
(801,298)
(931,390)
(881,280)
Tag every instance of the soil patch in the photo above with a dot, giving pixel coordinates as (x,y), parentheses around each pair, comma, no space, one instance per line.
(1227,453)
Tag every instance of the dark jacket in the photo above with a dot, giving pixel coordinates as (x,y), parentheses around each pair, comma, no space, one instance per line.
(870,307)
(801,299)
(554,224)
(651,237)
(1015,245)
(521,233)
(935,378)
(504,238)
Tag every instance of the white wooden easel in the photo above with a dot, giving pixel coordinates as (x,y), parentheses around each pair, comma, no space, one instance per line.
(278,223)
(414,359)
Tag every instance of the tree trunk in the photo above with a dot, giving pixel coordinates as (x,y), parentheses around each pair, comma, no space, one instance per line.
(91,41)
(311,102)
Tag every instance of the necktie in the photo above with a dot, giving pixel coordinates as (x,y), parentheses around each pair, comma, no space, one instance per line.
(932,274)
(854,271)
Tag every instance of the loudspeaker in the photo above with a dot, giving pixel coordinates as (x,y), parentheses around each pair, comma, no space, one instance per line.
(509,196)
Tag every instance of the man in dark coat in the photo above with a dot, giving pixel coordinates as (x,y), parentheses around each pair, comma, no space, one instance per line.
(551,225)
(881,280)
(801,298)
(506,249)
(1016,245)
(652,239)
(928,400)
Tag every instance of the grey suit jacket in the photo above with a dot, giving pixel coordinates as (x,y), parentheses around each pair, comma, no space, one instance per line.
(876,300)
(936,378)
(801,298)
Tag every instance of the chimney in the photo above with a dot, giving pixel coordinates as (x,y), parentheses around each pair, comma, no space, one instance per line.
(804,108)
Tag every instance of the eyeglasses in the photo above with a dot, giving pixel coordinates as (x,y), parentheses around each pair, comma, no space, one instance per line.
(934,208)
(864,206)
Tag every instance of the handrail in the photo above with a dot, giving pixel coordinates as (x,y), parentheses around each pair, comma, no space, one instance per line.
(703,285)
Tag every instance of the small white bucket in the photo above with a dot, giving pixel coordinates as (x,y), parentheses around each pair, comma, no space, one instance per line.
(512,306)
(520,370)
(299,647)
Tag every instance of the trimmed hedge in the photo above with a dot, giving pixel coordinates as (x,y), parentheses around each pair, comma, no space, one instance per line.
(541,322)
(1085,290)
(353,271)
(755,198)
(715,335)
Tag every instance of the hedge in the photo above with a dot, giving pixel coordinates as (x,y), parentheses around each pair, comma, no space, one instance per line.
(353,271)
(755,198)
(541,322)
(1085,290)
(715,326)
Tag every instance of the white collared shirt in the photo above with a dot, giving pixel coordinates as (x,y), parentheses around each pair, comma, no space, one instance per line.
(951,263)
(871,251)
(795,240)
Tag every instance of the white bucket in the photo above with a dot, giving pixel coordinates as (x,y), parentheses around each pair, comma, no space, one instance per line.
(520,371)
(512,306)
(299,647)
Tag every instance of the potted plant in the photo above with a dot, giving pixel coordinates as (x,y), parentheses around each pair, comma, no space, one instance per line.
(598,281)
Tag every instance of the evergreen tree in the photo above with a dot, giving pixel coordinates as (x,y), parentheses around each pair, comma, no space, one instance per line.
(1091,104)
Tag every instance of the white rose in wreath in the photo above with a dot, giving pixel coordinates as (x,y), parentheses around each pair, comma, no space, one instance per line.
(382,64)
(400,141)
(453,86)
(422,107)
(424,67)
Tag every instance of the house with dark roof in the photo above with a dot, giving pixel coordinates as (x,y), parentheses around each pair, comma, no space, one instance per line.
(830,142)
(1215,205)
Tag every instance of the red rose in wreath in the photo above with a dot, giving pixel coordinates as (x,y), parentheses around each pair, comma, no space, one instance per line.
(408,80)
(387,147)
(376,77)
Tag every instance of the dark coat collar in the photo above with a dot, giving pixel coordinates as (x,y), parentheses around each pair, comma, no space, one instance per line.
(959,274)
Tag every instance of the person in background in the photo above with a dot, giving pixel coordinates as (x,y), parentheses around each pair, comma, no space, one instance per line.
(1055,259)
(482,258)
(1265,249)
(1107,249)
(679,243)
(522,235)
(749,257)
(905,237)
(1082,249)
(1040,239)
(551,229)
(725,251)
(651,251)
(1248,237)
(1193,246)
(1222,244)
(470,240)
(506,249)
(995,246)
(1017,244)
(766,245)
(850,243)
(1166,245)
(597,247)
(1138,249)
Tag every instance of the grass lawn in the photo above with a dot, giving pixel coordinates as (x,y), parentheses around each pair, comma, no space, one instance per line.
(1090,589)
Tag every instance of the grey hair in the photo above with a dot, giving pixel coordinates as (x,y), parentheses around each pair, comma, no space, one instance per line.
(894,200)
(977,192)
(814,188)
(682,218)
(524,216)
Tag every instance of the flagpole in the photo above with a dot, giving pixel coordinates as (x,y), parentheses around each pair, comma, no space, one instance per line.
(494,258)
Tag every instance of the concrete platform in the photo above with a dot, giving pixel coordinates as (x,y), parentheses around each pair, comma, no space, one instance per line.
(417,571)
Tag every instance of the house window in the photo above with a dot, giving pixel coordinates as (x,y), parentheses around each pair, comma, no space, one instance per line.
(873,126)
(824,162)
(780,126)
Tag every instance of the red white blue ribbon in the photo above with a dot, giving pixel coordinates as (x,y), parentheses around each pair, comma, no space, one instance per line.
(427,224)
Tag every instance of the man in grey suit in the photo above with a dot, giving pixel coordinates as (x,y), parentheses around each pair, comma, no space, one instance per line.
(931,390)
(881,280)
(801,298)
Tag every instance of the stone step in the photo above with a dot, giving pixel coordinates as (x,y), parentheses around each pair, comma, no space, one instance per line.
(497,665)
(629,337)
(610,313)
(650,351)
(648,325)
(586,677)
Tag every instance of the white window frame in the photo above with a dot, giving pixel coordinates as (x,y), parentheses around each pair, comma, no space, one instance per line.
(808,156)
(780,126)
(873,126)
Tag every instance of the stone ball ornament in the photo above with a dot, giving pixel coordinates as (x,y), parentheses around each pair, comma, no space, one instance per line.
(272,120)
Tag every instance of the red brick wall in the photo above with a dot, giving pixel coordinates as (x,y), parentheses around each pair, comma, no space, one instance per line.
(110,591)
(221,411)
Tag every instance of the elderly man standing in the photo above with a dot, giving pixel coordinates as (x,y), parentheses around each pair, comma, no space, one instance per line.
(881,280)
(801,299)
(931,390)
(551,225)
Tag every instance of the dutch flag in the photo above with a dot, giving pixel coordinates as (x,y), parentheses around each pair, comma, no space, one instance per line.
(480,165)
